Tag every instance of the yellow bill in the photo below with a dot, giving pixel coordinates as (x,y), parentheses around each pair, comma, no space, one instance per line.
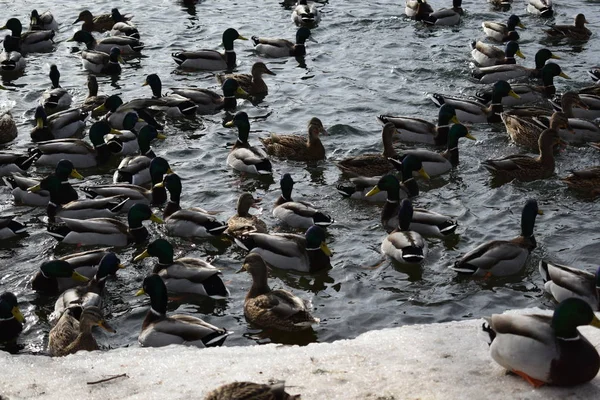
(241,92)
(595,322)
(518,53)
(424,174)
(156,219)
(563,75)
(454,120)
(520,25)
(115,131)
(242,38)
(540,212)
(325,249)
(145,83)
(230,124)
(76,276)
(160,136)
(39,123)
(513,94)
(17,314)
(373,191)
(555,57)
(140,292)
(142,255)
(35,188)
(100,109)
(121,266)
(469,136)
(159,185)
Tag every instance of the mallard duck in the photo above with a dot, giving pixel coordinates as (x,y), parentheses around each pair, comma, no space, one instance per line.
(421,131)
(211,60)
(304,253)
(544,349)
(306,14)
(446,16)
(591,111)
(135,193)
(102,63)
(105,231)
(139,170)
(500,32)
(9,228)
(11,318)
(127,45)
(93,100)
(80,152)
(184,275)
(513,71)
(243,222)
(243,157)
(282,47)
(28,191)
(125,28)
(32,41)
(56,98)
(577,31)
(119,111)
(564,282)
(542,8)
(11,61)
(473,111)
(296,147)
(595,74)
(73,331)
(244,390)
(15,162)
(501,5)
(502,257)
(128,139)
(251,83)
(175,105)
(487,55)
(159,330)
(435,163)
(297,214)
(42,22)
(585,181)
(191,222)
(368,165)
(273,309)
(417,9)
(402,244)
(209,102)
(8,128)
(60,125)
(102,22)
(525,168)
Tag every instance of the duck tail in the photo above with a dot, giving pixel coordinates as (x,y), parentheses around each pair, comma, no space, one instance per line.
(437,99)
(412,254)
(547,12)
(17,228)
(448,227)
(34,154)
(58,231)
(473,44)
(178,57)
(462,269)
(556,103)
(255,40)
(245,241)
(89,192)
(483,96)
(264,167)
(594,74)
(383,119)
(346,190)
(188,108)
(139,47)
(322,220)
(217,338)
(216,228)
(487,332)
(10,181)
(544,272)
(117,206)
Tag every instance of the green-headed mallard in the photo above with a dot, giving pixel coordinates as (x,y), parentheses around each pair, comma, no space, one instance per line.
(191,222)
(297,214)
(105,231)
(186,274)
(251,83)
(542,8)
(282,47)
(243,222)
(159,330)
(402,244)
(31,41)
(306,14)
(473,111)
(578,31)
(56,98)
(141,170)
(544,349)
(304,253)
(502,257)
(525,168)
(60,125)
(296,147)
(513,71)
(243,157)
(127,45)
(211,60)
(209,102)
(174,104)
(99,62)
(11,61)
(273,309)
(8,128)
(247,390)
(417,9)
(73,331)
(102,22)
(9,228)
(11,318)
(129,139)
(93,100)
(56,276)
(372,164)
(446,16)
(585,181)
(500,32)
(487,55)
(135,193)
(563,282)
(42,22)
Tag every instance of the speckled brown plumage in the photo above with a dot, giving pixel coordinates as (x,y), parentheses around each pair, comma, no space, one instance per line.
(298,148)
(252,83)
(578,31)
(250,391)
(244,222)
(585,181)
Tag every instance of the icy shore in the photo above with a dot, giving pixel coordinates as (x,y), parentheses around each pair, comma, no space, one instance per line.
(439,361)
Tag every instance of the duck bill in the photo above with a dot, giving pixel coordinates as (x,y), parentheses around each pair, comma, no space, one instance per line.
(156,219)
(141,256)
(140,292)
(76,276)
(595,322)
(159,185)
(454,120)
(76,21)
(71,40)
(243,269)
(160,136)
(518,53)
(241,92)
(75,174)
(170,171)
(312,39)
(325,249)
(424,174)
(513,94)
(35,188)
(540,212)
(520,25)
(104,325)
(121,266)
(145,83)
(269,72)
(469,136)
(373,191)
(242,38)
(115,131)
(100,109)
(563,75)
(230,124)
(120,59)
(39,123)
(555,57)
(17,314)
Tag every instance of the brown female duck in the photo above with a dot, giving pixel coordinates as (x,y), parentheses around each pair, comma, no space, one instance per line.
(244,222)
(578,31)
(296,147)
(585,181)
(251,390)
(252,83)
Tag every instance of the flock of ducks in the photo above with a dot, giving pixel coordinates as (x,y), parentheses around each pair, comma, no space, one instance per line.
(126,129)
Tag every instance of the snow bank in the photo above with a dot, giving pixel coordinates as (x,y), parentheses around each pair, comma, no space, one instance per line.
(439,361)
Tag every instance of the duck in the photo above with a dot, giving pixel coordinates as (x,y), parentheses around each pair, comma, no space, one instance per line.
(99,62)
(138,170)
(211,60)
(102,22)
(402,244)
(303,253)
(594,73)
(278,48)
(563,282)
(105,231)
(500,5)
(513,71)
(500,32)
(191,222)
(125,28)
(32,41)
(525,168)
(13,162)
(184,275)
(252,83)
(119,111)
(297,214)
(8,128)
(42,22)
(243,222)
(306,14)
(502,257)
(209,102)
(487,55)
(585,181)
(28,191)
(136,194)
(435,163)
(175,105)
(541,8)
(11,318)
(578,31)
(446,16)
(473,111)
(11,61)
(127,45)
(9,228)
(93,99)
(296,147)
(128,139)
(591,111)
(60,125)
(243,157)
(56,98)
(417,9)
(563,356)
(416,130)
(276,309)
(159,329)
(369,165)
(240,390)
(73,331)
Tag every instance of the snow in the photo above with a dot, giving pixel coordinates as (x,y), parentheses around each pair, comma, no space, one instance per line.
(438,361)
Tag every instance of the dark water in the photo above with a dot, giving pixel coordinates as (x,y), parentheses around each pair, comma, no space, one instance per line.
(370,60)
